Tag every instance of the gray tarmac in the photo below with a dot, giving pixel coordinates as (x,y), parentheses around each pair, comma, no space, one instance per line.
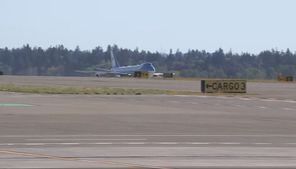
(95,131)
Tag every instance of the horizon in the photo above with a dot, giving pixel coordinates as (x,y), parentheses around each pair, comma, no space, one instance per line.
(173,50)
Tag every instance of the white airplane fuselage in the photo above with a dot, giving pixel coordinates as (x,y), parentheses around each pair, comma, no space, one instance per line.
(127,70)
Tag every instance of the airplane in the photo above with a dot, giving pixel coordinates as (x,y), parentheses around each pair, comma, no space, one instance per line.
(119,71)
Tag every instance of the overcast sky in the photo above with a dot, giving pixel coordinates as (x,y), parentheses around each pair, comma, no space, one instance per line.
(156,25)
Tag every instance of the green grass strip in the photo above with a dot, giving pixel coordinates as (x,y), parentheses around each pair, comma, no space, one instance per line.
(90,91)
(14,105)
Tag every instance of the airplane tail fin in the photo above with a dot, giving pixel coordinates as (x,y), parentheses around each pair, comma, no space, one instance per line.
(113,60)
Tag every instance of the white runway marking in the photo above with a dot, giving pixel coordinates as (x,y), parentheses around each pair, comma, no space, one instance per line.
(289,101)
(173,101)
(165,143)
(82,139)
(276,100)
(136,143)
(231,143)
(34,144)
(147,135)
(261,143)
(199,143)
(243,98)
(193,103)
(101,143)
(69,143)
(143,143)
(289,109)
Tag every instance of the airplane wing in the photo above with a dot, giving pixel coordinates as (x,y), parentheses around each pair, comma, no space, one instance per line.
(102,70)
(85,71)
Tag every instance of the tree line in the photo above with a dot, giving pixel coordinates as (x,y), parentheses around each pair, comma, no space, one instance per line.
(60,61)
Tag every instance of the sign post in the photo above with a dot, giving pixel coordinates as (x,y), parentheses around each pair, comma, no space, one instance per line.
(285,78)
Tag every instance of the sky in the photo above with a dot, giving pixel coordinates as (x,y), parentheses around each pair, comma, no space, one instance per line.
(156,25)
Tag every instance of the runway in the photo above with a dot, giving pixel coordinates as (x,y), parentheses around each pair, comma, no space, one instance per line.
(88,131)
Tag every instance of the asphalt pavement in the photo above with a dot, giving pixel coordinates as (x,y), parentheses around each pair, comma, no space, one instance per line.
(88,131)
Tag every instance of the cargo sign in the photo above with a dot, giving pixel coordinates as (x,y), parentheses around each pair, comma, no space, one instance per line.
(285,78)
(224,86)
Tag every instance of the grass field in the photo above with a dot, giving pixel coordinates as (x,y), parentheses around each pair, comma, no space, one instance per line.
(88,90)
